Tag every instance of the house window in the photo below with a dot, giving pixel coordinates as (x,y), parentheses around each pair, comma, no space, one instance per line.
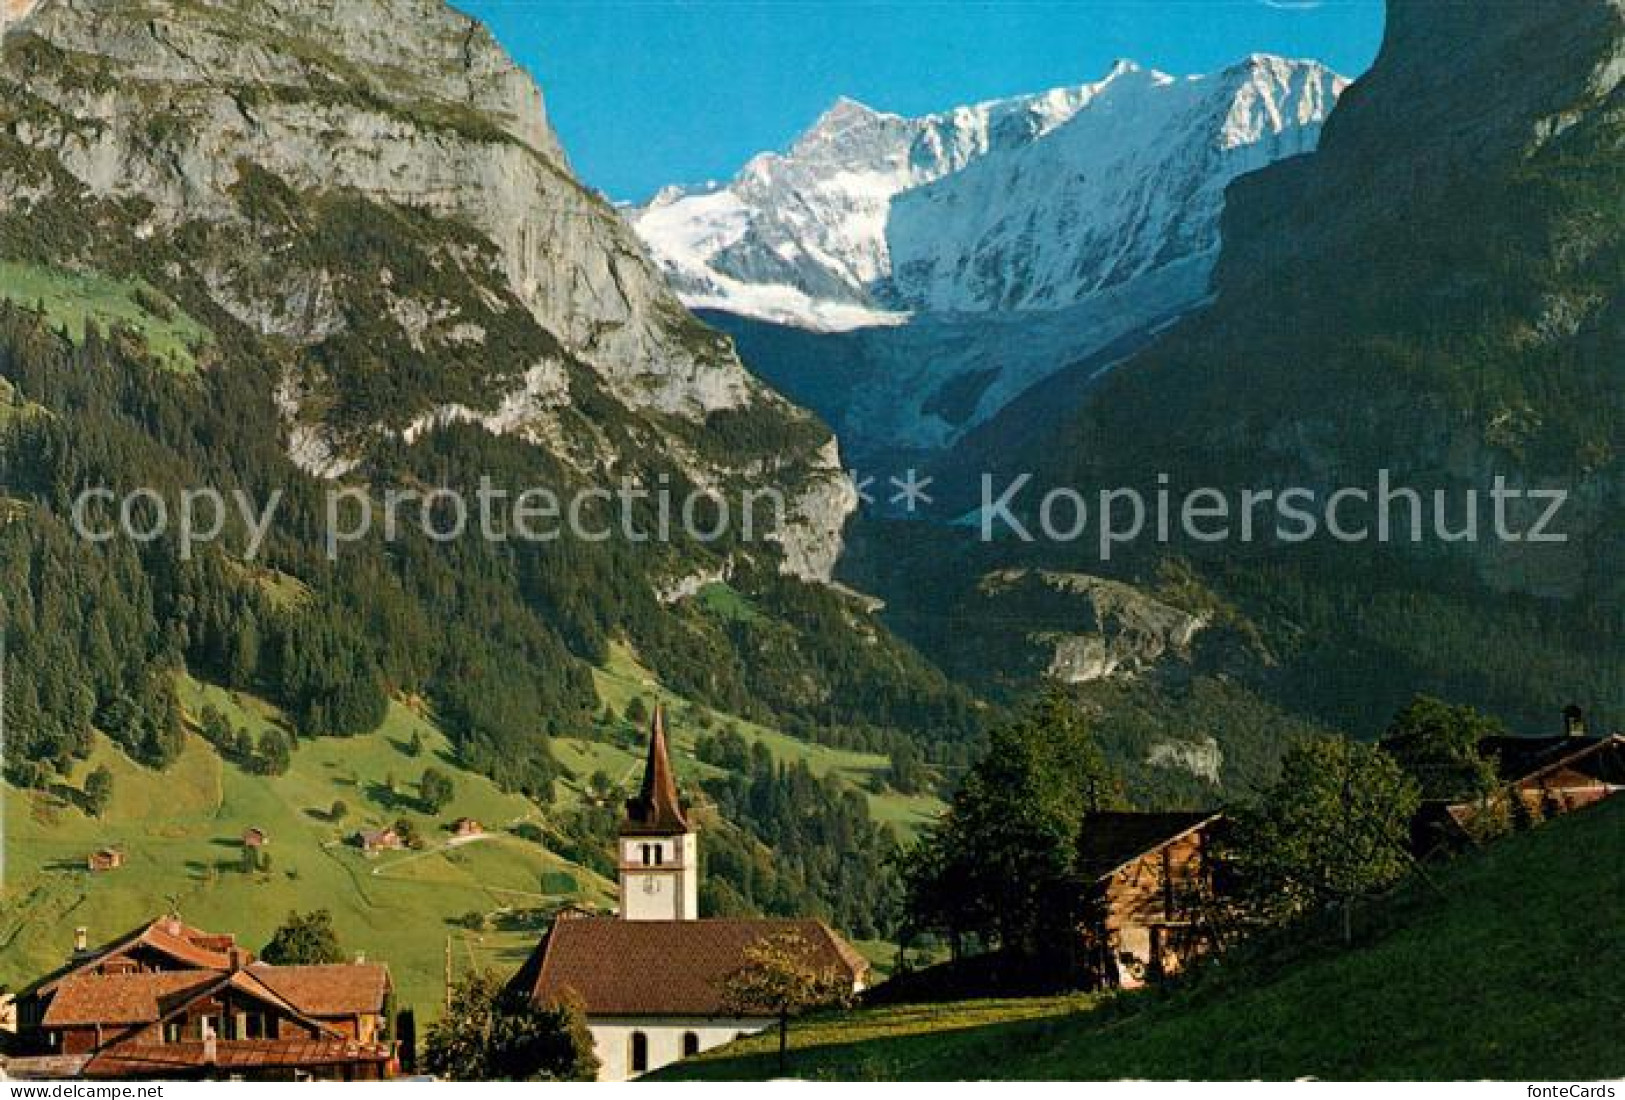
(640,1052)
(172,1032)
(691,1044)
(660,854)
(648,857)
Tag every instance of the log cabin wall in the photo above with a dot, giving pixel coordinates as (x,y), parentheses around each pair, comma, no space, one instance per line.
(1151,918)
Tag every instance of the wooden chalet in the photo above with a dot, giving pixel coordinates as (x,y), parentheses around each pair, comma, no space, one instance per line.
(1538,778)
(104,859)
(379,840)
(168,1001)
(1148,881)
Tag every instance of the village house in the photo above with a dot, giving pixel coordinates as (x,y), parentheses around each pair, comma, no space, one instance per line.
(1537,778)
(255,838)
(466,827)
(169,1001)
(373,841)
(104,859)
(651,978)
(1148,881)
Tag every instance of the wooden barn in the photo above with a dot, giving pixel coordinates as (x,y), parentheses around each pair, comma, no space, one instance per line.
(378,840)
(1538,777)
(1148,880)
(104,859)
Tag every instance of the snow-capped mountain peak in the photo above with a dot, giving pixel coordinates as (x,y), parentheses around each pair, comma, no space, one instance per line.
(1028,202)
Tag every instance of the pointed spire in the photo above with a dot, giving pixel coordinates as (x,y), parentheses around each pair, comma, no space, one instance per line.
(656,810)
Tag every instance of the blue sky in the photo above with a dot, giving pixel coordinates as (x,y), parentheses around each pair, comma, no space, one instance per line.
(649,92)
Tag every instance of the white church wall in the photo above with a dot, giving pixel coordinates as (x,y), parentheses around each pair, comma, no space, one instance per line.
(612,1039)
(660,877)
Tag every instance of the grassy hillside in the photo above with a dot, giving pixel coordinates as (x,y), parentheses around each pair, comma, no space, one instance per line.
(1511,972)
(72,300)
(623,677)
(180,830)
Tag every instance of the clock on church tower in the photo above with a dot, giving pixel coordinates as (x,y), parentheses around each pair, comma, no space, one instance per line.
(659,850)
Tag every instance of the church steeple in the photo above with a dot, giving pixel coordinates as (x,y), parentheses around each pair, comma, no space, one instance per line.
(659,853)
(657,810)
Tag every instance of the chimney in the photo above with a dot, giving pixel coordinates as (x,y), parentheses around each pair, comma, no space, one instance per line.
(1574,721)
(81,940)
(238,957)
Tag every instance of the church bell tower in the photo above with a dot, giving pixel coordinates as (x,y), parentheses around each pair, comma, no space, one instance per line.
(659,852)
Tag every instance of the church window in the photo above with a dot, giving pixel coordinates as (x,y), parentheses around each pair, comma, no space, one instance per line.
(691,1044)
(640,1052)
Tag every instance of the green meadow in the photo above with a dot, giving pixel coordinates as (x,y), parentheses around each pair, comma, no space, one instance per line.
(181,834)
(180,831)
(623,678)
(73,300)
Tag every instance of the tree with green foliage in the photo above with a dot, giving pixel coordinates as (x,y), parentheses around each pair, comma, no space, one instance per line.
(1333,829)
(908,774)
(304,939)
(216,730)
(338,811)
(436,790)
(601,788)
(1437,745)
(782,978)
(98,790)
(491,1033)
(407,830)
(274,755)
(637,711)
(414,746)
(998,865)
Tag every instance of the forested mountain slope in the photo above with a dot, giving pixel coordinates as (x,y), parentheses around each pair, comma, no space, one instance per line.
(315,247)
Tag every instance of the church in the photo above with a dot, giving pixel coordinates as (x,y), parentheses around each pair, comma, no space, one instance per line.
(651,977)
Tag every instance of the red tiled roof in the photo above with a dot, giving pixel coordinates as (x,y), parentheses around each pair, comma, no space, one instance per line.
(167,935)
(662,968)
(311,992)
(139,998)
(183,948)
(342,989)
(156,1059)
(656,810)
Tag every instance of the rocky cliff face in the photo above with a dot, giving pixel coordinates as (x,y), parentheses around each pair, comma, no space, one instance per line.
(1094,628)
(1447,309)
(199,118)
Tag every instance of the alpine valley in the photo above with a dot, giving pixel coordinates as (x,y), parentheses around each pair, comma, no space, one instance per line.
(1226,281)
